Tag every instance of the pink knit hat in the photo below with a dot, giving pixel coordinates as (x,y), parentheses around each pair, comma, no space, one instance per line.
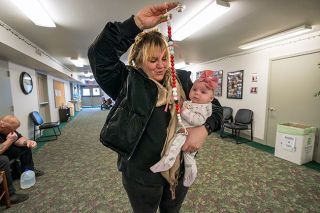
(206,76)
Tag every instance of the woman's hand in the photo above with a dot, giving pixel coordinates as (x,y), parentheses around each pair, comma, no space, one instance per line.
(150,16)
(195,139)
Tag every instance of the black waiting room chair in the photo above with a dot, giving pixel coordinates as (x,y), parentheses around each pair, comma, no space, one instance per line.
(242,121)
(39,125)
(227,117)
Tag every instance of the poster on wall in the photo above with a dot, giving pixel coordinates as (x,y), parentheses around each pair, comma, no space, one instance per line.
(254,77)
(235,84)
(218,91)
(254,90)
(198,74)
(217,74)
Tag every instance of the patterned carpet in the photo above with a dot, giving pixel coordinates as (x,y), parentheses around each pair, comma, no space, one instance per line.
(81,176)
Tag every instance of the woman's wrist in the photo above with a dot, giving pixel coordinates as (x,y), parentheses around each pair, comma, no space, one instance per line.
(208,128)
(138,22)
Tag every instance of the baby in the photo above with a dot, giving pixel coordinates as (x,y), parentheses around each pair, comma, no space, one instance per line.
(194,113)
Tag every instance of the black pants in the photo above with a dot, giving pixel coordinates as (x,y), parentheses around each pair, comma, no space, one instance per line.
(5,166)
(147,199)
(23,153)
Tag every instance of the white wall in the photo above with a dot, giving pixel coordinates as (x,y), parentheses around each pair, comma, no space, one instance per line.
(23,104)
(5,90)
(256,61)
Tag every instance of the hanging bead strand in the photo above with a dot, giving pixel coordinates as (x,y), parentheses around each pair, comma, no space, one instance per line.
(173,73)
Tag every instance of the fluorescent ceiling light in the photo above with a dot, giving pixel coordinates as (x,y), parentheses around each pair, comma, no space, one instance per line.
(181,65)
(88,74)
(277,37)
(34,11)
(77,62)
(193,24)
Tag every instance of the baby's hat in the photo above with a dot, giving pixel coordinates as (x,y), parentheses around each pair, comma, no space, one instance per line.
(207,77)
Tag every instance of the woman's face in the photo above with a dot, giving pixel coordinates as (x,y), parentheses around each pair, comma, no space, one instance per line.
(156,65)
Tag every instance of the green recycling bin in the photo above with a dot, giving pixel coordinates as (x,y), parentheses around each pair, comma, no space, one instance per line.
(295,142)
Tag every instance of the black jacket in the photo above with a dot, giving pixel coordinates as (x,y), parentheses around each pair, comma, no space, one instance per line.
(134,93)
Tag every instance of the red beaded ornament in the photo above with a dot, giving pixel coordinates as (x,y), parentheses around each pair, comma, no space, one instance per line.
(173,72)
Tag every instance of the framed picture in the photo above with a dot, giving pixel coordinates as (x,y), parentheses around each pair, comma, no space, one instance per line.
(198,74)
(218,91)
(254,90)
(254,77)
(217,74)
(235,84)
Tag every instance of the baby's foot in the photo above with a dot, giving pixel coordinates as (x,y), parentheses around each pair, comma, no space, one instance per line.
(163,165)
(190,167)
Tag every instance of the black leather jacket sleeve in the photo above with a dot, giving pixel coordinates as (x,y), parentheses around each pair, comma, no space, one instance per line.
(214,121)
(110,73)
(105,52)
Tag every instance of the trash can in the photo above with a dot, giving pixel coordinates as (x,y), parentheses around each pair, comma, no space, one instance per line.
(295,142)
(71,107)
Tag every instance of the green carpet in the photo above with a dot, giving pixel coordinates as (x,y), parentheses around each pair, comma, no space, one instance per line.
(81,176)
(312,165)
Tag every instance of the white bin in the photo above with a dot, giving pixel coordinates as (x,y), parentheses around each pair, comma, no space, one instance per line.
(71,107)
(295,142)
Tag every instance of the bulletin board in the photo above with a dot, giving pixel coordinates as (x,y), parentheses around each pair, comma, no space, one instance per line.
(59,96)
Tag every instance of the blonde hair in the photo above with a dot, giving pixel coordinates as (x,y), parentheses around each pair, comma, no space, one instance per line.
(146,43)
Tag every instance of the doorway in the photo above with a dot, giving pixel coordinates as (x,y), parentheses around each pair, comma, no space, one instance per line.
(293,82)
(91,96)
(44,108)
(6,105)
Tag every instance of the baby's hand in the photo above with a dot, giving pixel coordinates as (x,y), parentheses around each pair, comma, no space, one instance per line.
(185,105)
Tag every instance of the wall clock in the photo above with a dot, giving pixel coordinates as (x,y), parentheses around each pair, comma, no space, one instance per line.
(26,83)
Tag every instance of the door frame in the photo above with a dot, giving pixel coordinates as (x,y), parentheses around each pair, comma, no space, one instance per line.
(269,84)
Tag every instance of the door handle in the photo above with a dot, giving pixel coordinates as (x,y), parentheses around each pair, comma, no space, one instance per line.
(272,109)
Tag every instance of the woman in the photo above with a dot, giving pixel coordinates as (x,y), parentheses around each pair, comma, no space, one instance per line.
(138,126)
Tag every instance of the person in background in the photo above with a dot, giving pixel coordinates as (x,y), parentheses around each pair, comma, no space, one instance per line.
(193,113)
(138,126)
(16,146)
(106,103)
(5,166)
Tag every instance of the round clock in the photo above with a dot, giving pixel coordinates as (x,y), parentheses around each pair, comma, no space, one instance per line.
(26,83)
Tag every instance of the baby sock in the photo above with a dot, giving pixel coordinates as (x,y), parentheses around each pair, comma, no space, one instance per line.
(190,167)
(170,156)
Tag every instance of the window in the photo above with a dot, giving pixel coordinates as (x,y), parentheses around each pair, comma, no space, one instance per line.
(85,91)
(96,91)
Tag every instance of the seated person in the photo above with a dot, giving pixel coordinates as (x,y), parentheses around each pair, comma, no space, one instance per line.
(109,102)
(14,145)
(5,166)
(106,104)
